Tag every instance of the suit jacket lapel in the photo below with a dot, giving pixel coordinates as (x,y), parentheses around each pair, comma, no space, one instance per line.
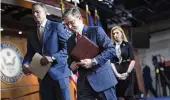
(33,36)
(46,31)
(74,39)
(34,41)
(37,39)
(85,30)
(37,36)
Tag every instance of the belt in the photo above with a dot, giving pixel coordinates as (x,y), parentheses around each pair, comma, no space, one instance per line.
(123,61)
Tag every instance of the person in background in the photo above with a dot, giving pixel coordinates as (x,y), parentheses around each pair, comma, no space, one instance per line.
(96,79)
(164,77)
(123,65)
(49,40)
(148,80)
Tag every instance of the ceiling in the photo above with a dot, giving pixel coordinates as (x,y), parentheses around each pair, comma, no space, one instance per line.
(16,18)
(138,12)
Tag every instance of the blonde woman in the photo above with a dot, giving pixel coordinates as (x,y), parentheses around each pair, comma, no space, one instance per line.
(123,65)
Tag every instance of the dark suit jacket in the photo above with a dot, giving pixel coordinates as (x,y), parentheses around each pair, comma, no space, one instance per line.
(54,44)
(126,52)
(101,76)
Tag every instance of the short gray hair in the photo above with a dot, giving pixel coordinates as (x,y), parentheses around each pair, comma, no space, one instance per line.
(71,11)
(40,4)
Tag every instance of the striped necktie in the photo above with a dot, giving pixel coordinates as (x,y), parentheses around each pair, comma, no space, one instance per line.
(40,33)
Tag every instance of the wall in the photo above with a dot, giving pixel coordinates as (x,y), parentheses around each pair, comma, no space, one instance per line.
(159,44)
(26,84)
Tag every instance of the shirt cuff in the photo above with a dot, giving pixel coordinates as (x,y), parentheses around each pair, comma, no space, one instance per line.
(53,58)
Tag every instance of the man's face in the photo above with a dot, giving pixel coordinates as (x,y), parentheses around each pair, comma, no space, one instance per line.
(73,23)
(39,14)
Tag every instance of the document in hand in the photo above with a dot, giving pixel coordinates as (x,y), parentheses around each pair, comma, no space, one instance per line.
(36,68)
(85,48)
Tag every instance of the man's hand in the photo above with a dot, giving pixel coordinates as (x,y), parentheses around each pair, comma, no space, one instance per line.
(26,70)
(45,60)
(87,63)
(74,66)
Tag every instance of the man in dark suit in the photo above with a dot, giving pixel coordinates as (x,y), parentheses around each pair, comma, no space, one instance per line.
(148,80)
(96,78)
(49,40)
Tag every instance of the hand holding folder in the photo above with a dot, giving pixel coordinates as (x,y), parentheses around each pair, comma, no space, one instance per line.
(85,48)
(36,68)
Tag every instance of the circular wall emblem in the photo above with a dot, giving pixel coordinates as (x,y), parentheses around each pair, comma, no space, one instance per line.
(11,63)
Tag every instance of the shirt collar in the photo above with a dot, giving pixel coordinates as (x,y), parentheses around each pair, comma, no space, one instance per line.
(119,43)
(43,23)
(83,30)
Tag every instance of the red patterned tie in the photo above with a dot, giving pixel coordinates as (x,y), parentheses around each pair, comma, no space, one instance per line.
(78,36)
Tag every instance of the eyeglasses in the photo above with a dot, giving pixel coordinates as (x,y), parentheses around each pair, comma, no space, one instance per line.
(70,23)
(73,21)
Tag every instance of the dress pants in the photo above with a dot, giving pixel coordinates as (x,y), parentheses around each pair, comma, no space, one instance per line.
(54,90)
(86,92)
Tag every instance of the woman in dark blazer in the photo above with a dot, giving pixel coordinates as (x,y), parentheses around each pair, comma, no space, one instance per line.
(123,65)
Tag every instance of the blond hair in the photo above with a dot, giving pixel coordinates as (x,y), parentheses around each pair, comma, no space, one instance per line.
(121,30)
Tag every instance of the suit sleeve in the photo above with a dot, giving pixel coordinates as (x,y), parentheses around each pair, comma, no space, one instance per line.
(30,53)
(63,36)
(70,58)
(108,48)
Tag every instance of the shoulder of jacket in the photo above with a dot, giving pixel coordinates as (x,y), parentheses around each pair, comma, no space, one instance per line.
(93,28)
(55,23)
